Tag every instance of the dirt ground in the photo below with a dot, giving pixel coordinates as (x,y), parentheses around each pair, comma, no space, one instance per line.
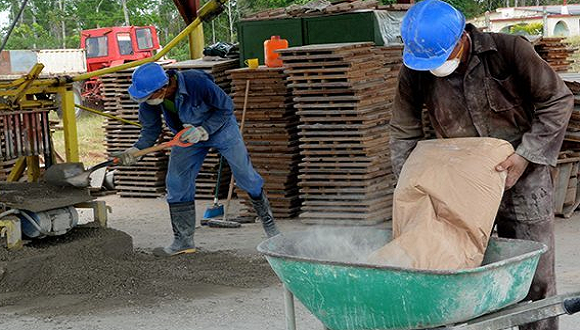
(92,279)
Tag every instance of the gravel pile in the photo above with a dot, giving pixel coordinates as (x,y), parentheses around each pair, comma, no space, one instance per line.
(101,263)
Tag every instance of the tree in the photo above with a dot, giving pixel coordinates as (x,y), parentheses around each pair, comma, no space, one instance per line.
(43,20)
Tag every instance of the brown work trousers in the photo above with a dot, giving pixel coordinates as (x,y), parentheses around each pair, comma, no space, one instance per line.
(526,212)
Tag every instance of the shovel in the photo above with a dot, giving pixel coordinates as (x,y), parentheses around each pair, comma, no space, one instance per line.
(74,174)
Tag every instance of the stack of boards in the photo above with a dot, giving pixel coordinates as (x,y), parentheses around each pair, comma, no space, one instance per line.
(572,138)
(271,136)
(207,177)
(147,178)
(555,52)
(343,94)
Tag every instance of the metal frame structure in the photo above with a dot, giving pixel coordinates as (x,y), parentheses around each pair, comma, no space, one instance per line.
(23,93)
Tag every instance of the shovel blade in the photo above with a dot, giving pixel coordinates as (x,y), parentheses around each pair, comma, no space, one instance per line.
(67,174)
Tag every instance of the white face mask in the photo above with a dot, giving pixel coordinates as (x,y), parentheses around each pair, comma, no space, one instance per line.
(154,101)
(158,100)
(446,68)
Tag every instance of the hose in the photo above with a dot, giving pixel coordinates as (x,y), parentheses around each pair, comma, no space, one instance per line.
(13,25)
(9,212)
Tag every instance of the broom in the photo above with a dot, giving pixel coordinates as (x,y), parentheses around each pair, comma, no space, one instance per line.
(224,223)
(217,209)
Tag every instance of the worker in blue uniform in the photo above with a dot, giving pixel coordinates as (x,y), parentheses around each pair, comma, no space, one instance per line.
(190,99)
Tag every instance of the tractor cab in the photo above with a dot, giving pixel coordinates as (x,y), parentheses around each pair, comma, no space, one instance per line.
(112,46)
(107,47)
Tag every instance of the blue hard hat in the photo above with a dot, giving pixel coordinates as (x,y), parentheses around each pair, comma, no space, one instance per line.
(147,79)
(430,30)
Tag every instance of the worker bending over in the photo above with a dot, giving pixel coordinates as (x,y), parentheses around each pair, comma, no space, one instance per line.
(190,99)
(476,84)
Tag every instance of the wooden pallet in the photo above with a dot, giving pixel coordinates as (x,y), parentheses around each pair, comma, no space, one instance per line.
(566,184)
(555,52)
(150,173)
(343,94)
(335,7)
(271,136)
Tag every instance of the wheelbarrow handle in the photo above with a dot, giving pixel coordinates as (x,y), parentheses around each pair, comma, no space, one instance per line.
(572,305)
(524,312)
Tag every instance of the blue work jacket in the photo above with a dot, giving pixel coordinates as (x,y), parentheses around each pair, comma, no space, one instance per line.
(199,102)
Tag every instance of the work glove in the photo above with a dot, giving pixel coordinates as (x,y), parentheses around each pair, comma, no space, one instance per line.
(126,158)
(194,134)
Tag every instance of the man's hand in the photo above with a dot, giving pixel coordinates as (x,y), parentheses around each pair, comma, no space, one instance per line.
(194,134)
(515,165)
(127,157)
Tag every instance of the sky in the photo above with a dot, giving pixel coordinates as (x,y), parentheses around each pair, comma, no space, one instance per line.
(4,18)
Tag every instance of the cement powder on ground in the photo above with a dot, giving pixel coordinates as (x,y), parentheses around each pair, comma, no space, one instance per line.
(101,263)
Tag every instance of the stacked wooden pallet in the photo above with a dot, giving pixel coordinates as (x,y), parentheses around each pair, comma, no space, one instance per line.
(270,134)
(343,101)
(566,192)
(217,69)
(565,174)
(317,8)
(147,177)
(555,52)
(207,177)
(572,138)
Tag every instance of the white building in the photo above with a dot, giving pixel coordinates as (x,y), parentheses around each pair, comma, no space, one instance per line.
(557,20)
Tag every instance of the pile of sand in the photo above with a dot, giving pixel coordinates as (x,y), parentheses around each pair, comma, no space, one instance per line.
(101,263)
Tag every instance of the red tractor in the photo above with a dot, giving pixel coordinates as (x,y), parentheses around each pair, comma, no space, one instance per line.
(107,47)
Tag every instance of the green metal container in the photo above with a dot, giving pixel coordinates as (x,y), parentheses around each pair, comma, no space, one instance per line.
(327,273)
(348,27)
(338,28)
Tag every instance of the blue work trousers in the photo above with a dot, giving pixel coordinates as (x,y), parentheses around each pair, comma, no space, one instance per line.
(185,163)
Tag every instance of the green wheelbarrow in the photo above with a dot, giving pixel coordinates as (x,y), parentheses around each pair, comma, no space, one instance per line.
(327,272)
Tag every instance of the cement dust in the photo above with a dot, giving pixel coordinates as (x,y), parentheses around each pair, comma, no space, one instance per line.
(338,244)
(99,265)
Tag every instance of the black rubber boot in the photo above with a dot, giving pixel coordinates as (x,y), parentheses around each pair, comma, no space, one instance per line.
(262,207)
(183,224)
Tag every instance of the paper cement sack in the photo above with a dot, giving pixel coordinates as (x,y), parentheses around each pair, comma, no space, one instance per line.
(445,204)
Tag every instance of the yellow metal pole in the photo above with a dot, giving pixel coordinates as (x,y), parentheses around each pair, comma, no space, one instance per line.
(69,122)
(196,43)
(28,80)
(33,168)
(104,114)
(205,14)
(17,170)
(192,46)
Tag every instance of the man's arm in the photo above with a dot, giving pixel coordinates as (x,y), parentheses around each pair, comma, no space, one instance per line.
(406,125)
(553,105)
(221,103)
(150,119)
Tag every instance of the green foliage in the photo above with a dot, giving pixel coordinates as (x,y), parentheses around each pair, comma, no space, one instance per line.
(527,29)
(27,36)
(250,6)
(469,8)
(41,24)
